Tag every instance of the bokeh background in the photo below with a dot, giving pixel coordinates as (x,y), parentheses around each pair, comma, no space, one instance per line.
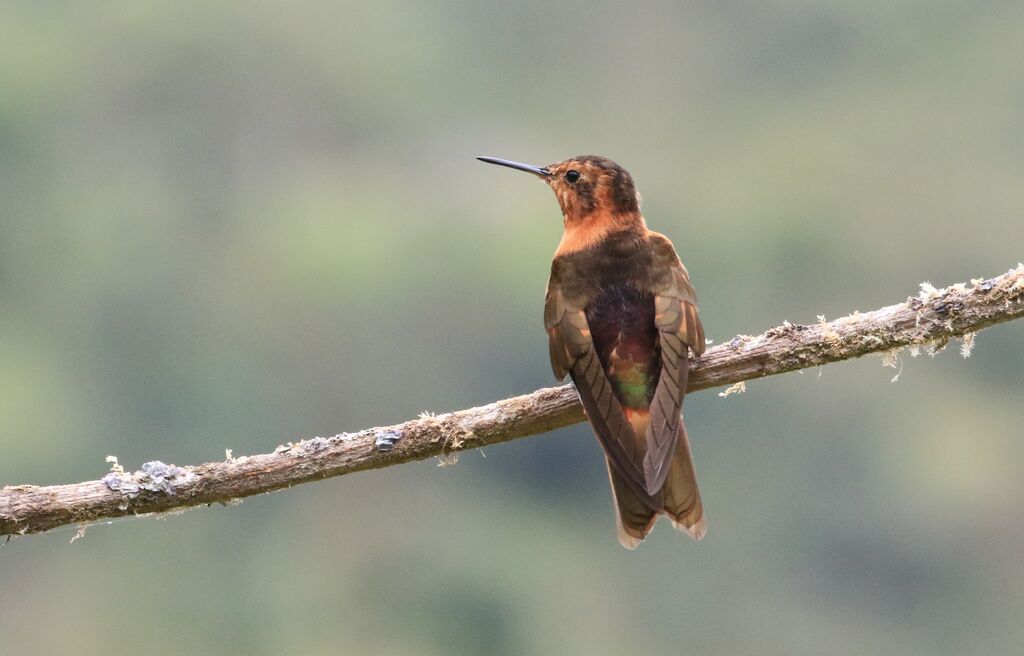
(230,225)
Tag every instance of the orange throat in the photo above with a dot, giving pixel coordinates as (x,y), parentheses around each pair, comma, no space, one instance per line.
(581,233)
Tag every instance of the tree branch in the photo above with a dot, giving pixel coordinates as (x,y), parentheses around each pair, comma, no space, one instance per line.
(932,318)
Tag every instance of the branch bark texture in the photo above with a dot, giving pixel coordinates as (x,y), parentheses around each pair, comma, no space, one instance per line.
(927,320)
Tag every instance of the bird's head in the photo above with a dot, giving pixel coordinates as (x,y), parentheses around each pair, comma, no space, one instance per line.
(588,187)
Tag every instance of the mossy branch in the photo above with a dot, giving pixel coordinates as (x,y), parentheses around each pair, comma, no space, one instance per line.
(929,319)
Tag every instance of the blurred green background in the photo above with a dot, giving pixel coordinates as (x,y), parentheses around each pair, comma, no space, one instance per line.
(230,225)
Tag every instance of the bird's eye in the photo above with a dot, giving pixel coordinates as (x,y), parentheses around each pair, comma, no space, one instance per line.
(572,177)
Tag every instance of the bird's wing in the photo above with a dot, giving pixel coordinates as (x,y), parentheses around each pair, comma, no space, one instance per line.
(572,352)
(554,313)
(679,330)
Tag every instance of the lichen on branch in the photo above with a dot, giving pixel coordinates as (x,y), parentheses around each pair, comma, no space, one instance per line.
(928,320)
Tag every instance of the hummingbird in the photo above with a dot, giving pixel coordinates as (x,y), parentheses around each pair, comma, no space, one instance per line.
(621,317)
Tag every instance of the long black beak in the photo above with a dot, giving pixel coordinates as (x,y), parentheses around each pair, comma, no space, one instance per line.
(529,168)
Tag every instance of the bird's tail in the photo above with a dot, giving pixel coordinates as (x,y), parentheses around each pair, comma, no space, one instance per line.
(635,514)
(680,495)
(679,500)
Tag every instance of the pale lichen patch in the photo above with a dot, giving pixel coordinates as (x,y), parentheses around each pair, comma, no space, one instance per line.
(154,476)
(936,346)
(735,388)
(739,341)
(891,358)
(79,534)
(446,459)
(928,292)
(430,422)
(314,445)
(385,440)
(453,442)
(828,331)
(115,466)
(967,345)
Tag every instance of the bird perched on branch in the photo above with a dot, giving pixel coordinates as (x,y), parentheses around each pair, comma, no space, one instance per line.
(621,317)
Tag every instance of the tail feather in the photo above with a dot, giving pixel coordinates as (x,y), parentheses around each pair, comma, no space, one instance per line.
(634,516)
(681,495)
(679,499)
